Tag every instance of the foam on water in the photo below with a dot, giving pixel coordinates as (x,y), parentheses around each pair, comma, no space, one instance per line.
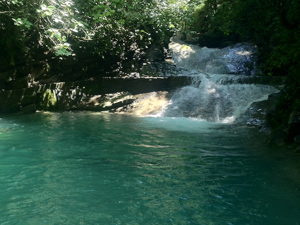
(214,102)
(182,124)
(214,95)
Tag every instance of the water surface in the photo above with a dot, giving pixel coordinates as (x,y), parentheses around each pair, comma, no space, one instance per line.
(97,168)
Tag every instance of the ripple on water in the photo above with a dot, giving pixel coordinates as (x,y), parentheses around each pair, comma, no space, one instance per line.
(82,168)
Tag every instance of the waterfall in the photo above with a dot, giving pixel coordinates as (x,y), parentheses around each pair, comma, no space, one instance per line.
(214,94)
(231,60)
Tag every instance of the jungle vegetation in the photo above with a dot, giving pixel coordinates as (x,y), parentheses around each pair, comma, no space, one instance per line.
(115,30)
(110,30)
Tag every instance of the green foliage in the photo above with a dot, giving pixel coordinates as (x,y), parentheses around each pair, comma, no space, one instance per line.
(22,22)
(116,30)
(112,30)
(272,25)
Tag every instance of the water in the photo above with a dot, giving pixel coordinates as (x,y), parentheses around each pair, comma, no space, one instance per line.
(189,164)
(215,95)
(208,98)
(93,168)
(237,59)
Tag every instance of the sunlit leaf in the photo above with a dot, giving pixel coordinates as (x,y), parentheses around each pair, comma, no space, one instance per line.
(51,8)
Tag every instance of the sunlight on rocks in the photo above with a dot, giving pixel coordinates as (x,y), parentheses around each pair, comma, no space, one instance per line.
(149,104)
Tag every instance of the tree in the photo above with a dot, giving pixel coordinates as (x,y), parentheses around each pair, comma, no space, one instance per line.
(108,28)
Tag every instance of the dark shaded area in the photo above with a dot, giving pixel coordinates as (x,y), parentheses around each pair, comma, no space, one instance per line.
(273,26)
(81,94)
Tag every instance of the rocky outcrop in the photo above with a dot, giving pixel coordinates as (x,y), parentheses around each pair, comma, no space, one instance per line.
(93,94)
(151,103)
(48,82)
(286,133)
(274,118)
(256,115)
(279,117)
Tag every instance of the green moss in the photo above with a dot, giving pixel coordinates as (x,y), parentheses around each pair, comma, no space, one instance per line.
(49,99)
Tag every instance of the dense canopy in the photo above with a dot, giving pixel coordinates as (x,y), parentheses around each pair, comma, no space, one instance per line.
(107,28)
(114,30)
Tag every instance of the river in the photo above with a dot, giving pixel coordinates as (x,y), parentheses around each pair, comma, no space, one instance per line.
(100,168)
(189,164)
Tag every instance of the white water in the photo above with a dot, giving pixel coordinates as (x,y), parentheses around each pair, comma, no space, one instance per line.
(213,95)
(230,60)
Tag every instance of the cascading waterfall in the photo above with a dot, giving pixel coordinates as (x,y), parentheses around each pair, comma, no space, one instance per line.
(214,94)
(231,60)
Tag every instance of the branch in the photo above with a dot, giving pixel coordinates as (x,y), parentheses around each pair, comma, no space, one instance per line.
(6,12)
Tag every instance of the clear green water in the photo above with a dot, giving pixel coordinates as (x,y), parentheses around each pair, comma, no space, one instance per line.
(84,168)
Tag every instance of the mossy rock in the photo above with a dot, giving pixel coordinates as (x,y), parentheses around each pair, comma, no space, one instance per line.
(49,99)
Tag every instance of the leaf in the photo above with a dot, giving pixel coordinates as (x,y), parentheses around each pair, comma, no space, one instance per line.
(47,13)
(84,23)
(51,8)
(100,20)
(43,7)
(60,52)
(28,23)
(58,36)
